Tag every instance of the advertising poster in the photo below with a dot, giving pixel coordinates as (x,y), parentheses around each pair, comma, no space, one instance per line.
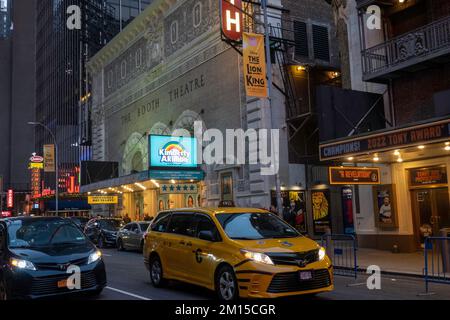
(321,211)
(172,152)
(254,65)
(384,206)
(347,210)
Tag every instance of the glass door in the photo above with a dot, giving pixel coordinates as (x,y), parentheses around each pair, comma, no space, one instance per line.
(431,208)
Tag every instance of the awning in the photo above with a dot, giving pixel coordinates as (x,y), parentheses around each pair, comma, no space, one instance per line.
(433,133)
(144,176)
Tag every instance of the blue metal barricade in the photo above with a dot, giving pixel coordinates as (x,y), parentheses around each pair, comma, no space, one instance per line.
(437,260)
(341,248)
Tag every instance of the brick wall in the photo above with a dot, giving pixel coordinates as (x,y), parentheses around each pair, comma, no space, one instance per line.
(413,94)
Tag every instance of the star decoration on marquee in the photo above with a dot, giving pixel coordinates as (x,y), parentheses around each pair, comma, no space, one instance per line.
(178,188)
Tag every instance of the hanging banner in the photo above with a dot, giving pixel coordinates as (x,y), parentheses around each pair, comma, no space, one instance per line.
(254,65)
(49,158)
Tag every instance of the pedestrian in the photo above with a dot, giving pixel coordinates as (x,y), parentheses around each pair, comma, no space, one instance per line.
(147,217)
(273,209)
(289,214)
(126,218)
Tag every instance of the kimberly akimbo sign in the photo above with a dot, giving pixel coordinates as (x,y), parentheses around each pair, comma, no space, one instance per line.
(254,65)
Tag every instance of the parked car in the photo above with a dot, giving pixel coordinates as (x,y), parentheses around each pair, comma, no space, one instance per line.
(238,252)
(131,236)
(37,254)
(103,231)
(80,221)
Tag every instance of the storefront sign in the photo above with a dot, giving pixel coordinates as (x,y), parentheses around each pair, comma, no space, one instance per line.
(49,158)
(390,140)
(103,199)
(254,65)
(10,199)
(178,188)
(6,214)
(354,175)
(321,211)
(167,151)
(176,174)
(35,183)
(231,17)
(427,176)
(36,162)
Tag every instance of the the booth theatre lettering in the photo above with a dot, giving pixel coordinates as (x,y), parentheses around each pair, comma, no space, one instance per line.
(151,106)
(187,88)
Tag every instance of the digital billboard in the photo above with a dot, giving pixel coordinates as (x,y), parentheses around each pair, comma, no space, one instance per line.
(172,152)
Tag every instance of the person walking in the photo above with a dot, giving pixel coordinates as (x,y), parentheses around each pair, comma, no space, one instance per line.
(289,214)
(126,218)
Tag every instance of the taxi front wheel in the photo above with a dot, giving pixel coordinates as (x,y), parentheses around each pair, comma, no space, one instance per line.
(156,272)
(226,284)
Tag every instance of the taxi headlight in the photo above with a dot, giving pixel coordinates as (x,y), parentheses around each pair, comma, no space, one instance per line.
(257,256)
(22,264)
(322,253)
(94,256)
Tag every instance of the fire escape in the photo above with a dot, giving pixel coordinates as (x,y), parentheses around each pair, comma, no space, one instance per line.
(300,120)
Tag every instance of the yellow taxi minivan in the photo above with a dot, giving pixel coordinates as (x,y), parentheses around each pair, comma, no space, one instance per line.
(237,252)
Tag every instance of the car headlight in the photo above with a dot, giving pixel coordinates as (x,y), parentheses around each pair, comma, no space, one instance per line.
(22,264)
(257,256)
(322,253)
(94,256)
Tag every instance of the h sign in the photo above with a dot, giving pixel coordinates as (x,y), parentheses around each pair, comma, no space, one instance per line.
(231,15)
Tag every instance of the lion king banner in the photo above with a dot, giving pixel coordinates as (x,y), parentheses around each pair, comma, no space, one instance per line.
(254,65)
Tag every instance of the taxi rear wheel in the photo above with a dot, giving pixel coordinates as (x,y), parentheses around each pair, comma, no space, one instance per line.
(156,272)
(226,284)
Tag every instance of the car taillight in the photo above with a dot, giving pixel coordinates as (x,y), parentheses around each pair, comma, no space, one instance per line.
(144,235)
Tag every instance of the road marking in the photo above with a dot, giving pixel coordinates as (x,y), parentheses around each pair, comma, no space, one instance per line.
(128,293)
(107,255)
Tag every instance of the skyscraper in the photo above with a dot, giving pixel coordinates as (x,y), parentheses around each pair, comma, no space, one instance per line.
(61,81)
(17,85)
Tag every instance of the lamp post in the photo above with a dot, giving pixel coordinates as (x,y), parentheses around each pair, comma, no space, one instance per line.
(56,161)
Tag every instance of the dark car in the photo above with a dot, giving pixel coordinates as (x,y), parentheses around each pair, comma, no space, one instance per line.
(131,236)
(42,256)
(103,231)
(80,221)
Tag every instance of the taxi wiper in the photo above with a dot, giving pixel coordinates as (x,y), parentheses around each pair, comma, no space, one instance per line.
(246,238)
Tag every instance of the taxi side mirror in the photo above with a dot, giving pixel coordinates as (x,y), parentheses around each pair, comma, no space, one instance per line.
(206,235)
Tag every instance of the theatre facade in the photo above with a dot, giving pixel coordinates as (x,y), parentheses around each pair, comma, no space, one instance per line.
(167,70)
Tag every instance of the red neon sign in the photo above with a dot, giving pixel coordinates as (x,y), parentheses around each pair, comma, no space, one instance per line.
(6,214)
(231,16)
(10,199)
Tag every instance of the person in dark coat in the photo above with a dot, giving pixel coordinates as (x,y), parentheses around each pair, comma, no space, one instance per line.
(126,219)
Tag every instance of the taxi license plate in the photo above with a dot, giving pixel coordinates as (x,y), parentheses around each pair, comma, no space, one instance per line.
(62,283)
(305,275)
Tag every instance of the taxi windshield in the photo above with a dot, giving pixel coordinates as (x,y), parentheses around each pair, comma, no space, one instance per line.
(255,226)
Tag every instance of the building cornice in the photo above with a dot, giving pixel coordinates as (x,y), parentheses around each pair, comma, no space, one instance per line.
(130,34)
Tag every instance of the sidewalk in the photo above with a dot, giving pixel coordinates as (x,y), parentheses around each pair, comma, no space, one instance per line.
(402,263)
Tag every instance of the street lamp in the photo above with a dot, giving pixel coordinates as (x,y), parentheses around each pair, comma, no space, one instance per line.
(33,123)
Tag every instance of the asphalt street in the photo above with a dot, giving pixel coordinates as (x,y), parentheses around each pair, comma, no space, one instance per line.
(128,279)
